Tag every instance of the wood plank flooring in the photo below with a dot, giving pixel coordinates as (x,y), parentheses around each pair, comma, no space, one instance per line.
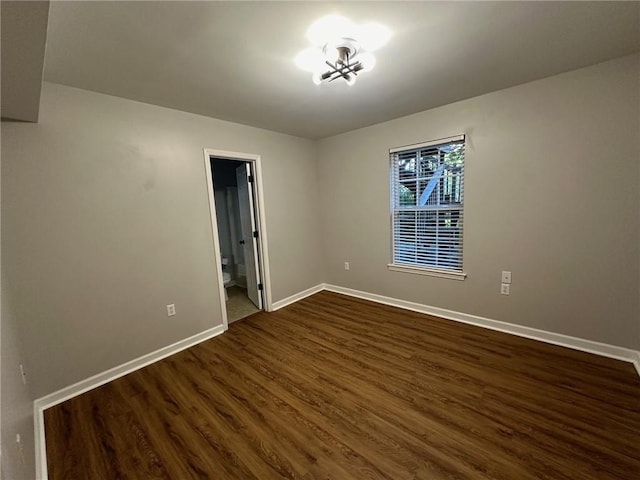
(334,387)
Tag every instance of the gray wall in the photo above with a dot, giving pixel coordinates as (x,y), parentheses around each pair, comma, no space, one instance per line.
(16,401)
(551,193)
(105,220)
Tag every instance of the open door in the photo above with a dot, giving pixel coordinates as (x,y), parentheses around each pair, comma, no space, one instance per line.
(249,240)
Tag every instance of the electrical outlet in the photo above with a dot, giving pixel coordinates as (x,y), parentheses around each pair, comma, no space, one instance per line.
(171,310)
(506,277)
(346,266)
(23,375)
(505,289)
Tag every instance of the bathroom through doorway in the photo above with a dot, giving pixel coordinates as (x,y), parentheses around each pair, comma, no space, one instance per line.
(236,220)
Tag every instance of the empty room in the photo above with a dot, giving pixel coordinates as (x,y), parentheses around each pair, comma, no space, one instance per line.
(313,240)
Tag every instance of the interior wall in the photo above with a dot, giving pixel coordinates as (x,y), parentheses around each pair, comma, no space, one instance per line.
(17,402)
(105,219)
(551,194)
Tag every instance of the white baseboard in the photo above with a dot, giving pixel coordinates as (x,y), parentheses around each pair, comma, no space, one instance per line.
(296,297)
(603,349)
(636,362)
(41,404)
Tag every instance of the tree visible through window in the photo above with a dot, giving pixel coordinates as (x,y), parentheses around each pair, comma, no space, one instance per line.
(427,204)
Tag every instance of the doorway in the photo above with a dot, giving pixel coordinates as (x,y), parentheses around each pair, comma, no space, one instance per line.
(238,228)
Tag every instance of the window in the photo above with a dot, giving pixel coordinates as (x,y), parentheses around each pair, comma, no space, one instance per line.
(427,183)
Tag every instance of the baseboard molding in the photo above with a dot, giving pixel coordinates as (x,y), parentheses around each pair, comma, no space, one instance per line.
(636,362)
(589,346)
(41,404)
(296,297)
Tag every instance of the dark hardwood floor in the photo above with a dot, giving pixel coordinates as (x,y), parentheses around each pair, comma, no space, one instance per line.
(334,387)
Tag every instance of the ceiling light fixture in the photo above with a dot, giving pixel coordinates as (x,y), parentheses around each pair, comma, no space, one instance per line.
(341,49)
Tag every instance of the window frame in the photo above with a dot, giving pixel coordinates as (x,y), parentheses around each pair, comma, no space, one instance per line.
(450,273)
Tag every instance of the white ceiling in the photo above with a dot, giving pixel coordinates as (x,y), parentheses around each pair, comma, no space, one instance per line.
(234,60)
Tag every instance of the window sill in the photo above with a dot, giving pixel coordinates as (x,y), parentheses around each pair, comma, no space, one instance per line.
(432,272)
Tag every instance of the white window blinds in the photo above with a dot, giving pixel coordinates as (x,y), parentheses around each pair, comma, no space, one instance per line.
(427,183)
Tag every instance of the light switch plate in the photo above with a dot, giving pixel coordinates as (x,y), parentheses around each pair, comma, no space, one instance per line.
(506,277)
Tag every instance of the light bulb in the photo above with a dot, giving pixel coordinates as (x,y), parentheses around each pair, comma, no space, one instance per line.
(310,59)
(373,35)
(368,61)
(329,27)
(351,80)
(316,78)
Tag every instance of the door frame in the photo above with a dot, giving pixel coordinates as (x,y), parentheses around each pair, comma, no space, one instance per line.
(263,252)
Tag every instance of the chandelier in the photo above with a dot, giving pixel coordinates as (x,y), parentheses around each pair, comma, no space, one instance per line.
(341,49)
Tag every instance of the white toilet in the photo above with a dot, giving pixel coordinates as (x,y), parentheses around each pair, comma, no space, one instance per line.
(226,276)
